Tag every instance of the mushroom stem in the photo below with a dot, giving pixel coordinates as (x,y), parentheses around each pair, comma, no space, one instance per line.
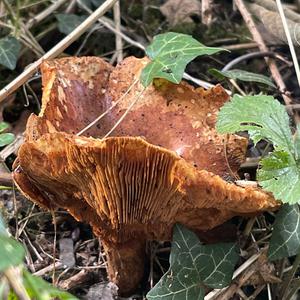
(125,264)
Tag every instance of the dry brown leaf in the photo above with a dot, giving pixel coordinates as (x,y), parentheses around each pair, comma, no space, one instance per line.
(273,24)
(180,11)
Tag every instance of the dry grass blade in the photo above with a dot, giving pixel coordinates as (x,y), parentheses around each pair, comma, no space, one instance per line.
(289,39)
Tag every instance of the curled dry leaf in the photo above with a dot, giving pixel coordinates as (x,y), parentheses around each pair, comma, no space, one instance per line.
(180,11)
(163,164)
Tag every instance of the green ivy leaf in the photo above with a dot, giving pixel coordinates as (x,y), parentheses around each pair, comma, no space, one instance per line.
(39,289)
(170,53)
(9,51)
(193,267)
(11,252)
(263,116)
(6,138)
(68,22)
(285,240)
(243,76)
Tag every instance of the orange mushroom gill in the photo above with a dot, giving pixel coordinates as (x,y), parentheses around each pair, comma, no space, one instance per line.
(163,164)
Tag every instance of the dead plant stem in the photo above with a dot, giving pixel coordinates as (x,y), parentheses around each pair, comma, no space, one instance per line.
(45,13)
(289,277)
(117,19)
(12,274)
(289,39)
(262,46)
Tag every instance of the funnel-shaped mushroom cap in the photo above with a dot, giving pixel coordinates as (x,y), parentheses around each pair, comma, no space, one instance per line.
(161,166)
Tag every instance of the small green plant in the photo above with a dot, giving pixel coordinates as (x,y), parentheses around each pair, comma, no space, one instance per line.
(11,257)
(266,119)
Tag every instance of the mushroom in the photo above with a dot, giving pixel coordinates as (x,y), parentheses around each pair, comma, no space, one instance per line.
(163,164)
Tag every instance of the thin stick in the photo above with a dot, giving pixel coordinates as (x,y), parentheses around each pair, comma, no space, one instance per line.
(117,19)
(126,112)
(262,46)
(109,109)
(207,12)
(45,13)
(54,244)
(6,179)
(14,278)
(289,39)
(57,49)
(289,277)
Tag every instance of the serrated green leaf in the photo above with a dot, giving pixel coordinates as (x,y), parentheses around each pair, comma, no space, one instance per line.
(6,138)
(280,174)
(39,289)
(285,240)
(170,53)
(9,51)
(263,116)
(194,266)
(243,76)
(68,22)
(3,126)
(11,252)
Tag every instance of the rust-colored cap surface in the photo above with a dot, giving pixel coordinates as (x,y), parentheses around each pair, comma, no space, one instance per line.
(163,164)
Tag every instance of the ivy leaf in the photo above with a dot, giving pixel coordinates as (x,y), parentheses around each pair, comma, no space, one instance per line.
(12,252)
(193,267)
(6,138)
(9,52)
(263,116)
(170,53)
(68,22)
(285,240)
(39,289)
(243,76)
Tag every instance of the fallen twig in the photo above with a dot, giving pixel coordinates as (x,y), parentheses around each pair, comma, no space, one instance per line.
(117,19)
(57,49)
(45,13)
(6,179)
